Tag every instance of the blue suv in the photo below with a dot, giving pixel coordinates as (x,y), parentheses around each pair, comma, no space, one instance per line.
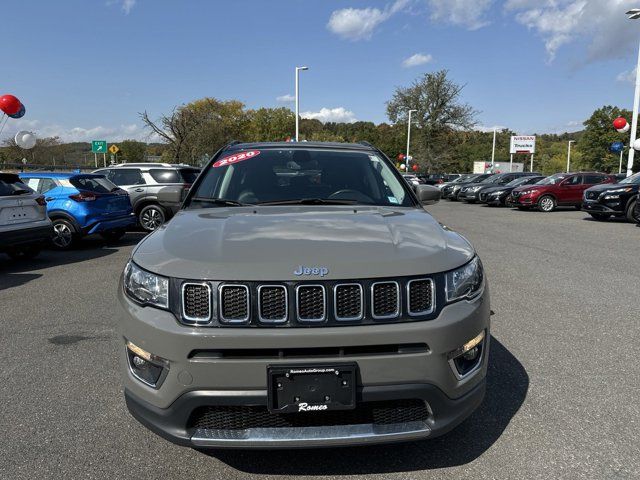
(80,204)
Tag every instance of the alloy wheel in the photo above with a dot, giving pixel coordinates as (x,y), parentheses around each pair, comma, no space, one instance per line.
(63,236)
(151,218)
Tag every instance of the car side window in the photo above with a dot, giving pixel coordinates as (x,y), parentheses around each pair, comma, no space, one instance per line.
(575,180)
(126,176)
(32,183)
(593,179)
(46,184)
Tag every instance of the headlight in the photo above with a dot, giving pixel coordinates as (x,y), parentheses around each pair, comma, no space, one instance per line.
(621,190)
(499,192)
(527,192)
(145,287)
(465,282)
(475,189)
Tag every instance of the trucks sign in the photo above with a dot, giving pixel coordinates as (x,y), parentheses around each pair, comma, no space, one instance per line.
(523,144)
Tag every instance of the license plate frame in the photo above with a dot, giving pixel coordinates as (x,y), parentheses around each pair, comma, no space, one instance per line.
(311,388)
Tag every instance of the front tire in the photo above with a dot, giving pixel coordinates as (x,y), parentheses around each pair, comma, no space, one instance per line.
(547,204)
(64,234)
(151,217)
(630,213)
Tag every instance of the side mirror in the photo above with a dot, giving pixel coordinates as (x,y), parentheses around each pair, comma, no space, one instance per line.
(170,196)
(428,194)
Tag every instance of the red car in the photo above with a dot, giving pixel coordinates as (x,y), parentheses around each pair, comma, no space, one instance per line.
(561,189)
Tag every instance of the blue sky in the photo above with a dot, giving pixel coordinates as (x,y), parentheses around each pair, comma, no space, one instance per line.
(85,68)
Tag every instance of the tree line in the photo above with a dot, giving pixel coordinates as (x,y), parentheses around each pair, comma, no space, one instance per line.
(444,137)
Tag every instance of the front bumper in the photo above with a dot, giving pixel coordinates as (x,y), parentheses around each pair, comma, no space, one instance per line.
(596,207)
(194,381)
(172,423)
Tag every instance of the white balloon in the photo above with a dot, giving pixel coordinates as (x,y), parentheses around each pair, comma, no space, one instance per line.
(25,139)
(636,144)
(403,167)
(625,129)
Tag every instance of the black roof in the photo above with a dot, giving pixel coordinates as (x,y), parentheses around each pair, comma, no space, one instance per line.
(295,145)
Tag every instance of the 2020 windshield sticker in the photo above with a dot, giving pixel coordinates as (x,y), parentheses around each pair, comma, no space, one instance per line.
(235,158)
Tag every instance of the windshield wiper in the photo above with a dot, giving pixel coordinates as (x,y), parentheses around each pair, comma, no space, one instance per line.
(221,201)
(310,201)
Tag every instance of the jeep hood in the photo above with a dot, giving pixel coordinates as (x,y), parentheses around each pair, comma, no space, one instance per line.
(269,243)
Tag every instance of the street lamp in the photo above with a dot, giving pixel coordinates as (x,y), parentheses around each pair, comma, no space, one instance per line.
(569,154)
(298,69)
(634,14)
(406,162)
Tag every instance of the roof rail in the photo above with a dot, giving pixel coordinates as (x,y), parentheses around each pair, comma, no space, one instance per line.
(142,164)
(366,144)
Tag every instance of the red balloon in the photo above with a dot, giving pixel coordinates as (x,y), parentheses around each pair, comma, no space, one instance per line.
(415,168)
(10,104)
(619,123)
(400,156)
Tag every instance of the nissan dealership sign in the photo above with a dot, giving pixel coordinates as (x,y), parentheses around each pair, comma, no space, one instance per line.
(523,144)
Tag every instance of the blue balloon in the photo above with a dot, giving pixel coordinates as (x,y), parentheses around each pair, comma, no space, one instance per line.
(616,147)
(20,113)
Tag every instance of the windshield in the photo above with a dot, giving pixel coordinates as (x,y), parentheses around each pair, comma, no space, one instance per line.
(520,181)
(635,179)
(492,179)
(464,178)
(301,175)
(12,185)
(553,179)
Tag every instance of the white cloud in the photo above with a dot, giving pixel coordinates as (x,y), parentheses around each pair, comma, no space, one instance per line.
(416,60)
(469,14)
(486,129)
(288,98)
(628,76)
(360,23)
(600,23)
(338,115)
(79,134)
(127,5)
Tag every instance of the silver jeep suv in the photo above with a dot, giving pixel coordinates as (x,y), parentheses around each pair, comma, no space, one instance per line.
(303,296)
(143,181)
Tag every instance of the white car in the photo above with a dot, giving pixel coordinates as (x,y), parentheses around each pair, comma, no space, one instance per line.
(24,225)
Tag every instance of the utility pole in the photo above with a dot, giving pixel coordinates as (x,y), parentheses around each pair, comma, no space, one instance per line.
(406,160)
(298,70)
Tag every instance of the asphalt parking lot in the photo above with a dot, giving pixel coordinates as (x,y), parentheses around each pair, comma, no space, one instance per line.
(563,386)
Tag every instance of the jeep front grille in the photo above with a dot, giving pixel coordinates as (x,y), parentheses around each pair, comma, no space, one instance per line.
(234,303)
(348,301)
(196,302)
(293,303)
(420,295)
(311,303)
(385,300)
(272,303)
(592,195)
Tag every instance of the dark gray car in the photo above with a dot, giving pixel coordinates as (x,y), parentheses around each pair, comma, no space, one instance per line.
(303,296)
(143,181)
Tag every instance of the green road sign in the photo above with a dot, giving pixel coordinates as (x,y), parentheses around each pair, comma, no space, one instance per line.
(99,146)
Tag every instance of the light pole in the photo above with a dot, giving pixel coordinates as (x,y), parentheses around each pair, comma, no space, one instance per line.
(634,14)
(493,150)
(298,100)
(569,154)
(406,161)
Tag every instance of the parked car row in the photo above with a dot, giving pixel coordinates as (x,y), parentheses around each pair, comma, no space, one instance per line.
(601,195)
(37,208)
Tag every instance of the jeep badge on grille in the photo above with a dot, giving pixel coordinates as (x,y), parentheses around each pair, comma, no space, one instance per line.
(302,270)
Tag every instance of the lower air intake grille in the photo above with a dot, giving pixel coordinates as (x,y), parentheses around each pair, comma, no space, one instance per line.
(311,303)
(245,417)
(234,303)
(196,299)
(385,300)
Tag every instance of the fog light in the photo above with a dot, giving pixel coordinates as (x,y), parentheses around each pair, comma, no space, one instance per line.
(467,358)
(150,369)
